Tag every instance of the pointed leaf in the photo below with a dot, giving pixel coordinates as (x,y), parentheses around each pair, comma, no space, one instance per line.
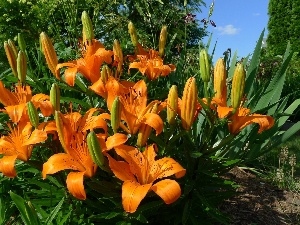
(54,212)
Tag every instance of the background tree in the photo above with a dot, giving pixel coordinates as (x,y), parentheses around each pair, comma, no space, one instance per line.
(61,20)
(279,26)
(283,26)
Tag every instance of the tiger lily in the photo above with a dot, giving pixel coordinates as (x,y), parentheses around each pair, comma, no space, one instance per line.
(72,131)
(135,110)
(242,118)
(18,144)
(89,66)
(142,173)
(15,102)
(152,65)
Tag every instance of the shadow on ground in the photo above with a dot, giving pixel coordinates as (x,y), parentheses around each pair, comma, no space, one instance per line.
(259,203)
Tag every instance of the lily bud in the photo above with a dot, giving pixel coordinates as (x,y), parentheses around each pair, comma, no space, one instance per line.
(21,42)
(55,97)
(116,114)
(21,66)
(238,85)
(60,129)
(162,41)
(220,87)
(95,149)
(133,35)
(49,53)
(172,105)
(118,52)
(13,47)
(145,130)
(189,103)
(33,114)
(105,73)
(204,65)
(88,31)
(12,58)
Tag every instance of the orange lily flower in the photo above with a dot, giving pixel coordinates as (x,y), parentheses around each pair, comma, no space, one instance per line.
(18,144)
(135,110)
(152,65)
(89,66)
(15,102)
(72,135)
(140,171)
(242,118)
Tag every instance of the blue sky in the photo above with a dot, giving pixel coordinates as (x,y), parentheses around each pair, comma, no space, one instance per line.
(239,24)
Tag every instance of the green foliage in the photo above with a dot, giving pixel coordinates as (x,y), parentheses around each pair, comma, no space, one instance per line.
(283,26)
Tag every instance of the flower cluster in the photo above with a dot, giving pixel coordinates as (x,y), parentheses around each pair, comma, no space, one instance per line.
(114,138)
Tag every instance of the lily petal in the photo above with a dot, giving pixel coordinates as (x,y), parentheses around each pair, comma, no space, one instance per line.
(70,75)
(132,194)
(167,167)
(99,88)
(7,166)
(6,97)
(135,159)
(168,190)
(154,121)
(121,169)
(36,136)
(42,101)
(15,112)
(75,185)
(61,161)
(115,140)
(240,122)
(224,111)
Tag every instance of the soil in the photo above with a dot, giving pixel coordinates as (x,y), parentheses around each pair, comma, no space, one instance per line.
(257,202)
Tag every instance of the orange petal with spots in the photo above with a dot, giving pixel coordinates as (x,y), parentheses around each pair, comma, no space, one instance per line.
(135,159)
(132,194)
(121,169)
(61,161)
(169,167)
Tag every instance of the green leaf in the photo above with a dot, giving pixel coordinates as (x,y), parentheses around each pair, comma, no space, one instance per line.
(141,218)
(54,212)
(251,72)
(186,212)
(28,214)
(106,215)
(273,91)
(290,132)
(64,219)
(288,111)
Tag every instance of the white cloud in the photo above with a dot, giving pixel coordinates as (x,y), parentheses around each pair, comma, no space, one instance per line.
(227,30)
(256,14)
